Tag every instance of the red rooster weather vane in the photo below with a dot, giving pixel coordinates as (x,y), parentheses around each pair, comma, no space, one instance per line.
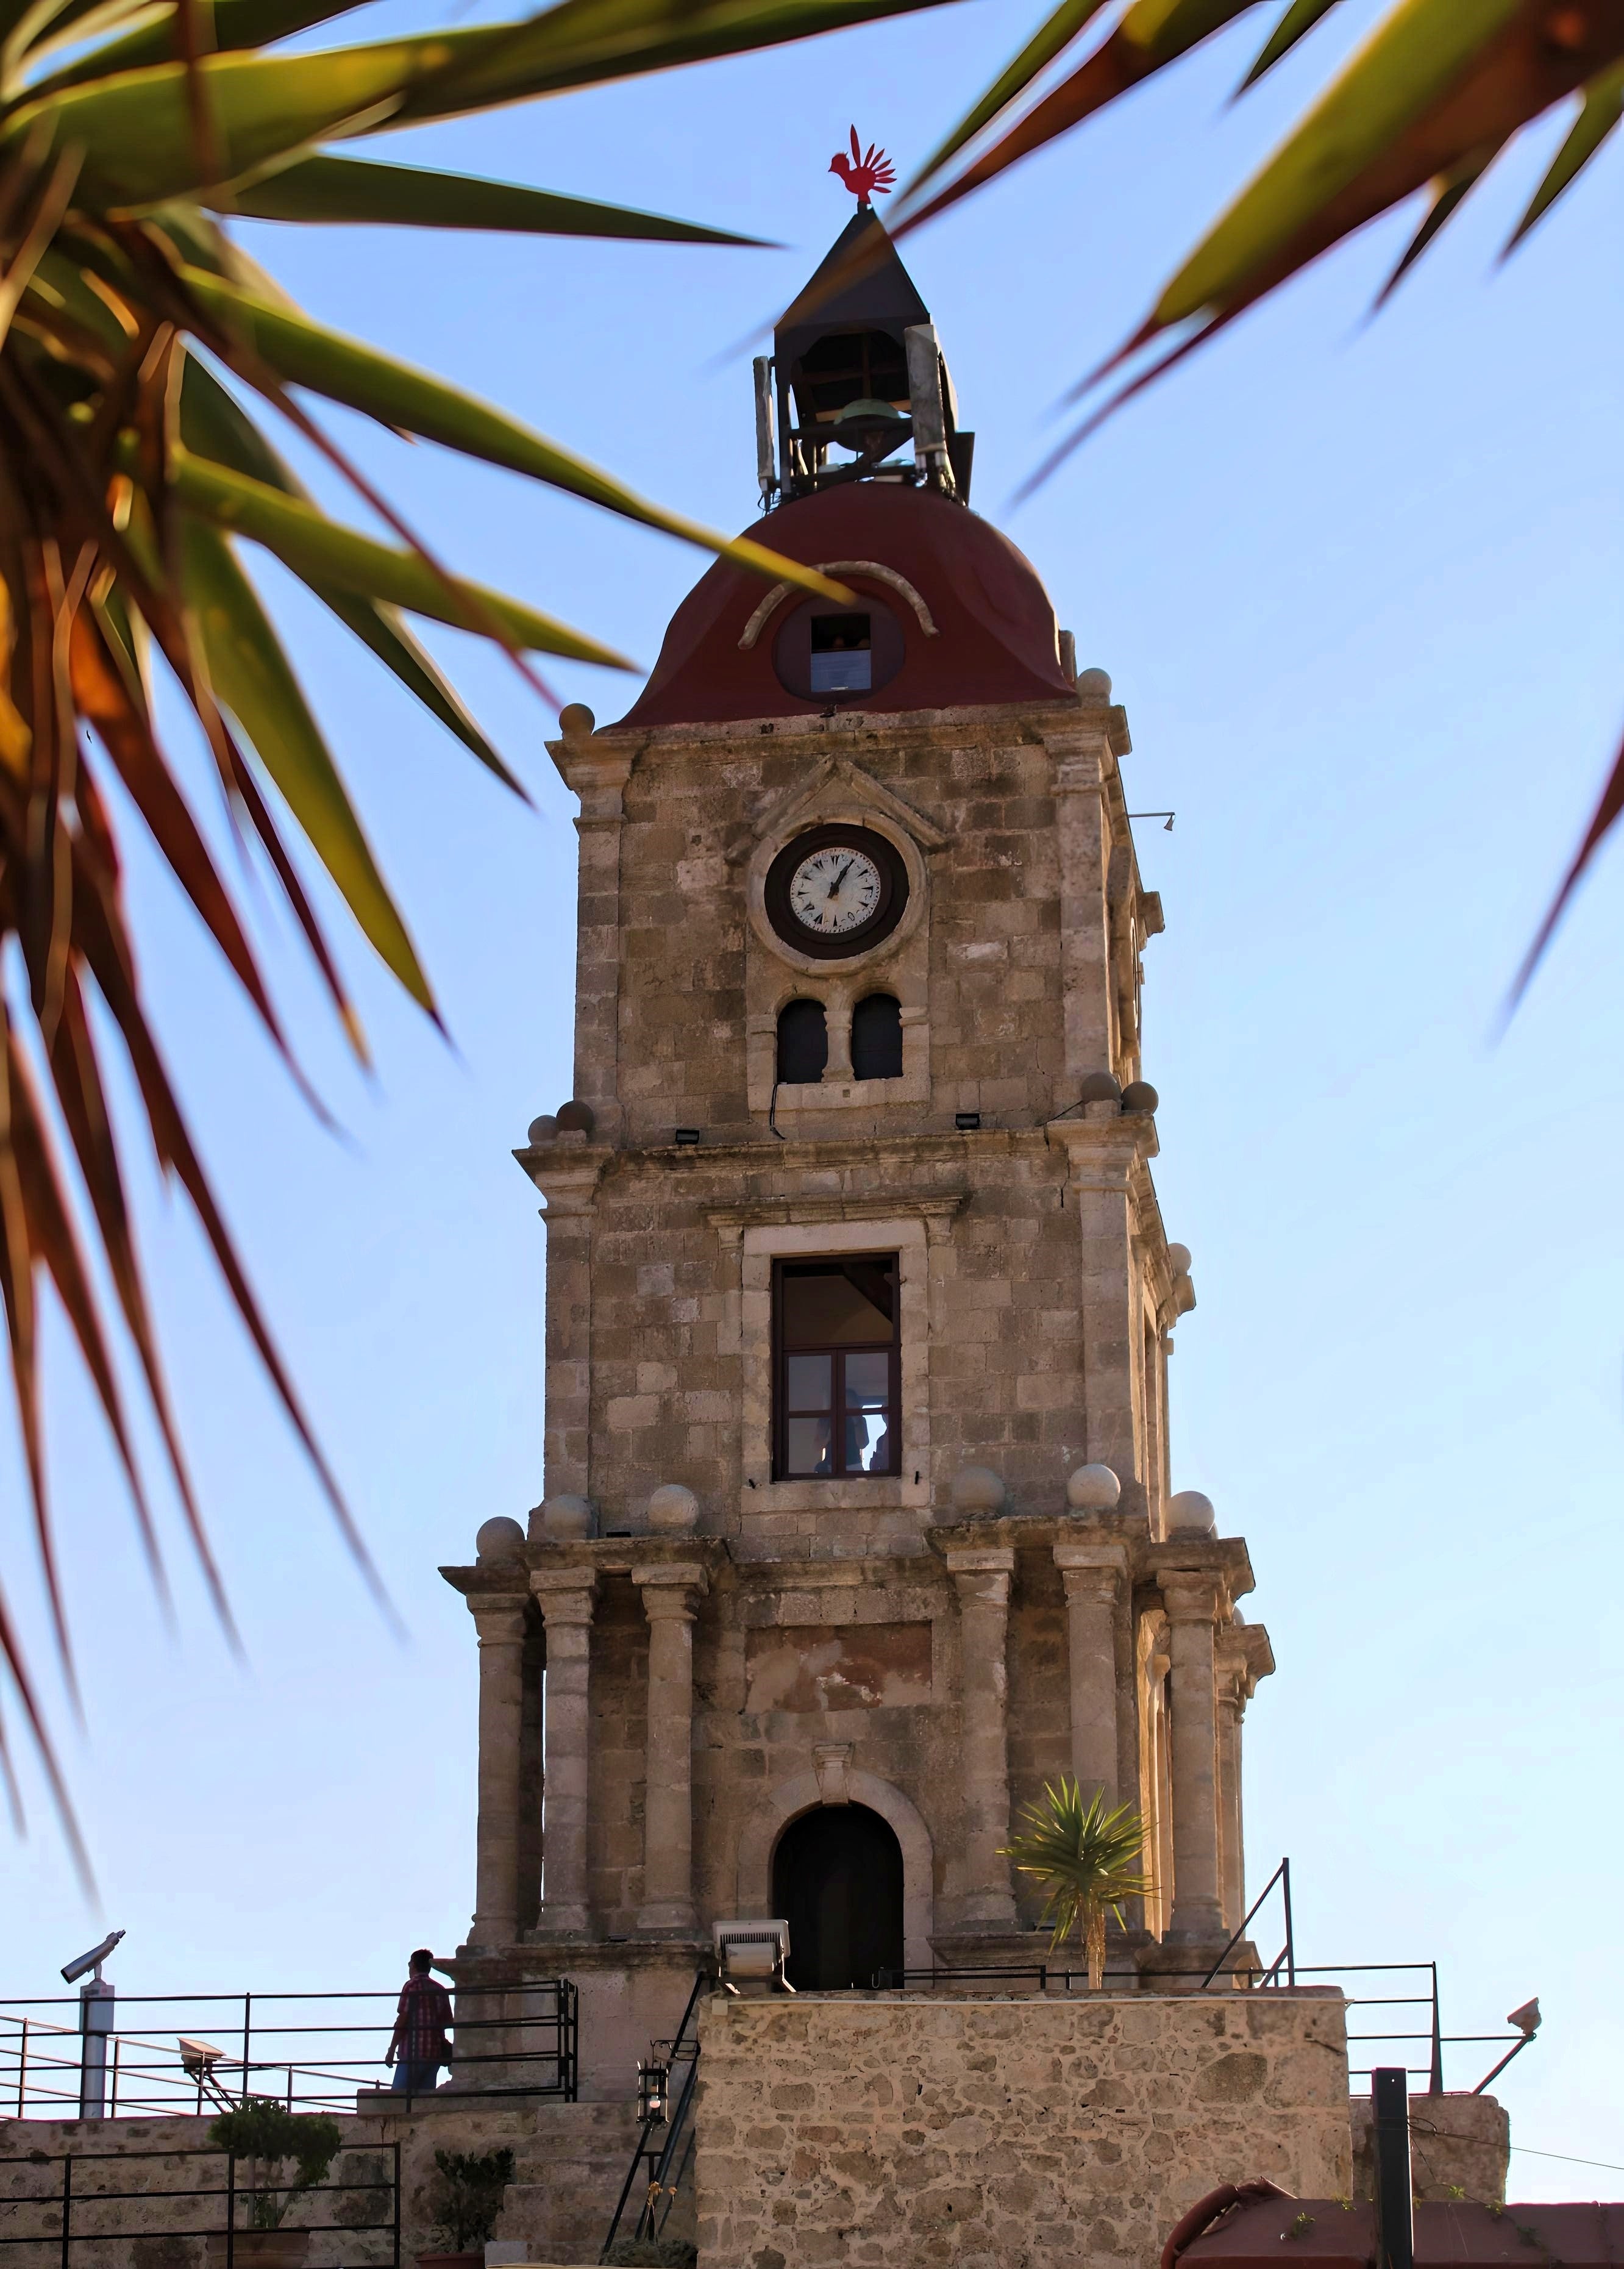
(865,171)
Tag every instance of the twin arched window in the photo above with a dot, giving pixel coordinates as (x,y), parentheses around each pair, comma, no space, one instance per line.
(876,1040)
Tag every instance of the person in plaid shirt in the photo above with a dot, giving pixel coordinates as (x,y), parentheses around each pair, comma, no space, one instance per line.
(418,2046)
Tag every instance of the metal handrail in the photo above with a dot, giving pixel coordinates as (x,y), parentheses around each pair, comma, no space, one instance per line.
(64,2197)
(684,2047)
(281,2045)
(1287,1953)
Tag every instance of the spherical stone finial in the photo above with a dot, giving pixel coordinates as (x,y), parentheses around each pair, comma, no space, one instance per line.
(1139,1095)
(576,1117)
(1099,1087)
(978,1489)
(543,1129)
(1191,1514)
(1179,1260)
(673,1509)
(1093,1489)
(1094,684)
(576,721)
(564,1518)
(499,1539)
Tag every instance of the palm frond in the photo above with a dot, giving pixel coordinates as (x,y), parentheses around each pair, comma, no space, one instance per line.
(131,478)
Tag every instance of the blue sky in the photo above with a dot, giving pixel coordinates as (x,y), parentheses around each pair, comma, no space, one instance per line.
(1360,588)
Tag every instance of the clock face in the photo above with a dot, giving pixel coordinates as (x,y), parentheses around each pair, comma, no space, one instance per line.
(834,890)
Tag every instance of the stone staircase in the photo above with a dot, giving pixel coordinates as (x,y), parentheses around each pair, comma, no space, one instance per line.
(568,2169)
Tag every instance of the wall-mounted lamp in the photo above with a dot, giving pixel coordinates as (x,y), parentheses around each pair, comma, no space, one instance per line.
(1167,816)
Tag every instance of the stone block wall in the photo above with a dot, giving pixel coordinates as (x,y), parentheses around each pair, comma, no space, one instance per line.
(996,1014)
(569,2162)
(1457,2144)
(1030,2134)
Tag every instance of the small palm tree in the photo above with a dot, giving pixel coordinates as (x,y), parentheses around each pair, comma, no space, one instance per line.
(1087,1858)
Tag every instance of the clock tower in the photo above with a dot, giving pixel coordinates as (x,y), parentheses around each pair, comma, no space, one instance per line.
(858,1522)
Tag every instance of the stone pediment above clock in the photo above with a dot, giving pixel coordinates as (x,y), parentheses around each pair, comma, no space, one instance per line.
(835,789)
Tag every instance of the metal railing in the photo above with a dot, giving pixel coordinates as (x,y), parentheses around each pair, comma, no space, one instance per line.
(665,2144)
(68,2197)
(1396,2038)
(312,2051)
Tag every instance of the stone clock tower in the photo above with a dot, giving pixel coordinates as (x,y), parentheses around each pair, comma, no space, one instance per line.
(858,1524)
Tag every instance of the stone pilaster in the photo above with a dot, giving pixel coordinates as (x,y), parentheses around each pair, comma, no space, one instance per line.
(1103,1149)
(671,1595)
(568,1180)
(1191,1598)
(500,1620)
(981,1579)
(1083,827)
(1093,1576)
(598,776)
(567,1596)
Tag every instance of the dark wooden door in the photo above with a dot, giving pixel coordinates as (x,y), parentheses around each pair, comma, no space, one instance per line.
(837,1880)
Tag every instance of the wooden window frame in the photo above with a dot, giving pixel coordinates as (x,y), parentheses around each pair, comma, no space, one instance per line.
(790,1265)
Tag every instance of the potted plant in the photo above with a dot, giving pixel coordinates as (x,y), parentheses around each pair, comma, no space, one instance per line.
(1087,1858)
(286,2152)
(463,2204)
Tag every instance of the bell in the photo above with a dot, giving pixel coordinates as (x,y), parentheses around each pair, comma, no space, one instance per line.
(870,428)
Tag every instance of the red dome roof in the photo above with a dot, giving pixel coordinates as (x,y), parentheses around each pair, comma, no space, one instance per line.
(991,634)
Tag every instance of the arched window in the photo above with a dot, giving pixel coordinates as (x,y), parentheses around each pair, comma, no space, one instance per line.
(803,1042)
(876,1037)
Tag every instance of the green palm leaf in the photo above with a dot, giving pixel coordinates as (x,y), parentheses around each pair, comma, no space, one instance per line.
(1086,1856)
(252,676)
(307,354)
(129,472)
(328,188)
(316,547)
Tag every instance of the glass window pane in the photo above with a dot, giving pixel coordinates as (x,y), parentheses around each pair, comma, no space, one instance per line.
(869,1443)
(840,1303)
(868,1380)
(810,1447)
(810,1384)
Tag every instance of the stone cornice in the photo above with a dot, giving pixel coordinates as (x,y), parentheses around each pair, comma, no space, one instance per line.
(566,1176)
(1125,1533)
(839,1205)
(1032,722)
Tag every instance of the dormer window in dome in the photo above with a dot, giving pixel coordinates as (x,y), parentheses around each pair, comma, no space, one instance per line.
(856,376)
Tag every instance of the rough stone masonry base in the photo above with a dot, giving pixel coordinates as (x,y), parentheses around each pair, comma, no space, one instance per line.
(1004,2134)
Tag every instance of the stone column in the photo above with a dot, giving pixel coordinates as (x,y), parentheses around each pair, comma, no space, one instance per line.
(1231,1835)
(500,1619)
(981,1578)
(670,1598)
(1191,1598)
(565,1596)
(1243,1656)
(1093,1575)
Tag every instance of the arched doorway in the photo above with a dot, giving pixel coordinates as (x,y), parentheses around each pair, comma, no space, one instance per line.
(837,1880)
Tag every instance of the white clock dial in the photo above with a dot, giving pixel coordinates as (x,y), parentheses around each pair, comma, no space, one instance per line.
(835,889)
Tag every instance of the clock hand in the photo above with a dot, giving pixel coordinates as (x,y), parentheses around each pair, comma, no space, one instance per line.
(834,888)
